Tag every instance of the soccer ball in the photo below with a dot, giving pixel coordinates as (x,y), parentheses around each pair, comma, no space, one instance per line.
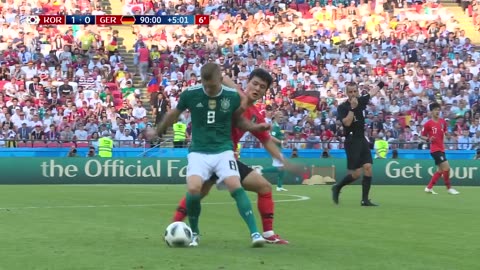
(178,234)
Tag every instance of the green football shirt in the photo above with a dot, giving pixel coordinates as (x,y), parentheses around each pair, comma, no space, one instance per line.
(277,133)
(211,118)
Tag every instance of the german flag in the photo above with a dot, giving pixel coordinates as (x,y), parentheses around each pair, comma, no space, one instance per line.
(306,99)
(128,20)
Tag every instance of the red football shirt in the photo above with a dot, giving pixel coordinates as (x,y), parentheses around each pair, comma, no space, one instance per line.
(251,114)
(436,131)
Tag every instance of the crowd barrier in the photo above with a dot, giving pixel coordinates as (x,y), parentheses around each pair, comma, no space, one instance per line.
(173,170)
(245,153)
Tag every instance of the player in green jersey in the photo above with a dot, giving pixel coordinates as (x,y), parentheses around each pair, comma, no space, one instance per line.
(277,165)
(214,109)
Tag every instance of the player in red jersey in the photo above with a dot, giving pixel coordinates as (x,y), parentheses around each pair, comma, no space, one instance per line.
(259,82)
(433,132)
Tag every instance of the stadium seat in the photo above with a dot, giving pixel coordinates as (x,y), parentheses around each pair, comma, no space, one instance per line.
(22,144)
(53,145)
(39,144)
(83,144)
(68,144)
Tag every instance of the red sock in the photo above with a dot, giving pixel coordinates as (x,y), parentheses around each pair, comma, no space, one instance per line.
(181,212)
(265,207)
(434,179)
(446,178)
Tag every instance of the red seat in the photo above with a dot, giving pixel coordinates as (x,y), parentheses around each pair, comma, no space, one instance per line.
(24,144)
(83,144)
(39,144)
(2,83)
(68,144)
(53,145)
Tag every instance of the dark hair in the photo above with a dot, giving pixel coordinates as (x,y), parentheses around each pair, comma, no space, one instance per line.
(434,106)
(262,74)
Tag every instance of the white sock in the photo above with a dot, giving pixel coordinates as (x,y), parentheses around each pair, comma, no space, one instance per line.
(268,233)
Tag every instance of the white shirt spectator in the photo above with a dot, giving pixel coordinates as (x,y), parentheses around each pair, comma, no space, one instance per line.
(93,102)
(30,72)
(92,64)
(464,143)
(81,134)
(139,112)
(10,89)
(125,139)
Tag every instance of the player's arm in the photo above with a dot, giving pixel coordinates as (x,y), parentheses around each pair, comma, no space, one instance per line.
(173,114)
(168,121)
(273,149)
(242,123)
(275,140)
(424,134)
(346,115)
(227,81)
(270,145)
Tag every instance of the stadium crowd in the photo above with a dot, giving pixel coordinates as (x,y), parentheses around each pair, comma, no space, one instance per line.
(70,84)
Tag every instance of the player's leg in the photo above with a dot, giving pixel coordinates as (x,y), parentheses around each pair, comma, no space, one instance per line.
(228,175)
(281,174)
(445,168)
(366,159)
(181,211)
(366,185)
(253,181)
(438,158)
(353,156)
(198,169)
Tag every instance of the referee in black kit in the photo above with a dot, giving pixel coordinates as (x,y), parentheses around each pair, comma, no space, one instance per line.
(359,157)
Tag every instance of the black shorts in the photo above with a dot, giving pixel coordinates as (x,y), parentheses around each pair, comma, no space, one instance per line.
(358,152)
(439,157)
(243,169)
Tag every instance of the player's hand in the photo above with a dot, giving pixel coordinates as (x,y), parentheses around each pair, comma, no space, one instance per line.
(261,127)
(353,103)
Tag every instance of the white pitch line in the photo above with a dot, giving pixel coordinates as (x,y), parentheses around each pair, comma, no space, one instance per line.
(296,198)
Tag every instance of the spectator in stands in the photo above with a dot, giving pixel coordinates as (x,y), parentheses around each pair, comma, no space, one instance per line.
(72,152)
(160,107)
(91,152)
(419,53)
(477,155)
(37,133)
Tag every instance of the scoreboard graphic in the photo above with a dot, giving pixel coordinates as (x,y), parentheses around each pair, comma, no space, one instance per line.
(118,20)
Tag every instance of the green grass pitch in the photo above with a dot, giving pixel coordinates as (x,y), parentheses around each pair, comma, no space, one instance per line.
(121,227)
